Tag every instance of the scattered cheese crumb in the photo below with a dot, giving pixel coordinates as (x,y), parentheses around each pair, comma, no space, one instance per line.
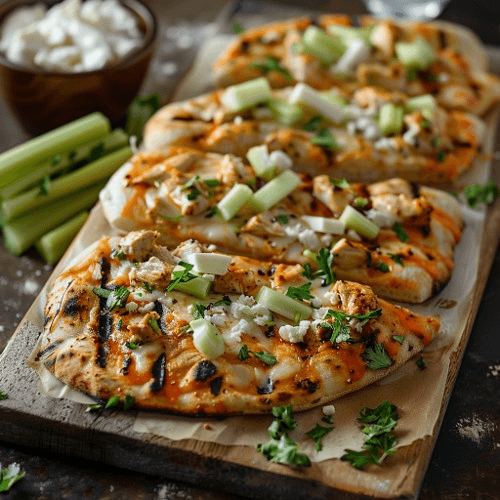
(328,410)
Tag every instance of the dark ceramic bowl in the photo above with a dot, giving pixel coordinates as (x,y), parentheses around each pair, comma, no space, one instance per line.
(43,100)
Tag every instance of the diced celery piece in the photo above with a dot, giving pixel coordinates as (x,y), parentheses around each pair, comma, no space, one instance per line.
(421,102)
(207,338)
(247,94)
(52,245)
(285,112)
(334,98)
(283,305)
(258,157)
(197,287)
(325,47)
(418,54)
(275,190)
(310,254)
(360,223)
(212,263)
(348,33)
(237,196)
(391,119)
(324,224)
(307,95)
(267,165)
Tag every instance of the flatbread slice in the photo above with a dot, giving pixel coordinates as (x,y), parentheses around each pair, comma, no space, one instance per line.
(453,66)
(113,328)
(432,146)
(177,192)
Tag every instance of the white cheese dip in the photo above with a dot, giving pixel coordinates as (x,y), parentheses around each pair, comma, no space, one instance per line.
(70,37)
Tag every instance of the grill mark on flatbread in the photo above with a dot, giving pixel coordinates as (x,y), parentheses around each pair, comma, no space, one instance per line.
(204,370)
(216,385)
(48,349)
(125,366)
(159,309)
(158,372)
(105,327)
(59,306)
(415,189)
(268,388)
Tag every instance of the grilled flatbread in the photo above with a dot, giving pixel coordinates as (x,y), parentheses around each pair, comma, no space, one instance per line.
(455,71)
(432,147)
(176,192)
(114,329)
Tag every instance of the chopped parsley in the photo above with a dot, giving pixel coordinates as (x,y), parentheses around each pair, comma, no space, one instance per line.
(211,212)
(302,292)
(3,395)
(340,183)
(312,124)
(181,275)
(317,433)
(269,64)
(400,232)
(94,407)
(132,345)
(116,254)
(112,402)
(421,363)
(115,298)
(237,28)
(436,141)
(397,258)
(129,402)
(147,287)
(225,301)
(325,261)
(193,191)
(360,202)
(199,311)
(377,357)
(382,266)
(265,357)
(307,271)
(379,438)
(475,193)
(281,448)
(441,156)
(119,324)
(399,338)
(283,219)
(325,139)
(9,476)
(340,326)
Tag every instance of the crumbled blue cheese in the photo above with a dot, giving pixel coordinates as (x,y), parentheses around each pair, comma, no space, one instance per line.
(71,36)
(381,218)
(246,307)
(328,410)
(296,333)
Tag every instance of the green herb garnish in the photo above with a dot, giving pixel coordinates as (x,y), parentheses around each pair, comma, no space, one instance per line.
(281,448)
(154,325)
(400,232)
(129,402)
(382,266)
(3,395)
(399,338)
(269,64)
(265,357)
(340,183)
(283,219)
(317,433)
(340,327)
(237,28)
(112,402)
(397,258)
(325,139)
(475,193)
(360,202)
(377,357)
(181,275)
(312,124)
(421,363)
(302,292)
(379,439)
(325,261)
(9,476)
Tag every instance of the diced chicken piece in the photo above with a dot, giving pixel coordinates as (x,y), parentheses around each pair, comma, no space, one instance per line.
(334,197)
(264,224)
(138,244)
(142,330)
(415,210)
(392,76)
(350,255)
(187,248)
(153,271)
(355,299)
(383,37)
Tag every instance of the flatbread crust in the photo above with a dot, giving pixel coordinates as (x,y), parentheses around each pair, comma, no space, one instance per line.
(107,351)
(432,150)
(149,192)
(458,77)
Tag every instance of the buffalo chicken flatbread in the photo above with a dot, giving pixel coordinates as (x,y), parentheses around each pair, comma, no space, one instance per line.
(368,136)
(396,236)
(414,58)
(132,320)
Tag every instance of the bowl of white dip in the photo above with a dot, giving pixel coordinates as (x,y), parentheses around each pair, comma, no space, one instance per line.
(62,60)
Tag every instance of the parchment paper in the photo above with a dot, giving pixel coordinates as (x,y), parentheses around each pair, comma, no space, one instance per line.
(417,393)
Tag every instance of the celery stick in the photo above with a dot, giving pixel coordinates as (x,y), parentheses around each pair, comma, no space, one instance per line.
(245,95)
(349,33)
(63,186)
(325,47)
(360,223)
(52,245)
(199,287)
(284,112)
(425,101)
(19,161)
(207,338)
(281,304)
(391,119)
(274,191)
(234,200)
(20,234)
(111,142)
